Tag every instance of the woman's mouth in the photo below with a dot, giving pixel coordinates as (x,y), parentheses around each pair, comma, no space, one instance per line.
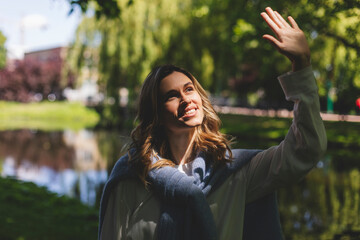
(189,113)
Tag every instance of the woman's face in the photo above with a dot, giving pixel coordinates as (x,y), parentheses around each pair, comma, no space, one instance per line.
(181,104)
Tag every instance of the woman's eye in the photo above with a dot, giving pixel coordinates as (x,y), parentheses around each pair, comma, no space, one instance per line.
(170,97)
(189,89)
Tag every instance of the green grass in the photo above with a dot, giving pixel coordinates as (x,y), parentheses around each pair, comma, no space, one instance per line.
(46,116)
(30,212)
(250,128)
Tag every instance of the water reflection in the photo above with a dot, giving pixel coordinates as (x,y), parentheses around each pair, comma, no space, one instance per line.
(65,162)
(323,206)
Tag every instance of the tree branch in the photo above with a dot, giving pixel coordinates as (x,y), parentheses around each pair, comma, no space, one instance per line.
(343,40)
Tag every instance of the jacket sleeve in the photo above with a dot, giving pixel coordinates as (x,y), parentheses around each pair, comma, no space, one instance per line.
(303,145)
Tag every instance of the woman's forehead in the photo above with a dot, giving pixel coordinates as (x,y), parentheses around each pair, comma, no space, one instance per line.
(175,80)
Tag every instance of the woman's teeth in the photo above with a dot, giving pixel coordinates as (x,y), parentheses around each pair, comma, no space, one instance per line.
(190,111)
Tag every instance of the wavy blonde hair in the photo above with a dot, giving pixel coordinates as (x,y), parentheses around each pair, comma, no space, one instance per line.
(149,139)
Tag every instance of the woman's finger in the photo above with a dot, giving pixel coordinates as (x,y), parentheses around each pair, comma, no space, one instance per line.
(270,22)
(293,23)
(281,19)
(273,16)
(272,40)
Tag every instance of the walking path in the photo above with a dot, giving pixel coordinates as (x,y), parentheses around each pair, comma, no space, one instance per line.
(281,113)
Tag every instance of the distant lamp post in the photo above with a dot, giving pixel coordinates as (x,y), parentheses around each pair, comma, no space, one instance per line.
(330,90)
(330,97)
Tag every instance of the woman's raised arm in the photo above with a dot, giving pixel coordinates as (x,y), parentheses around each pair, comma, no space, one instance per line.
(305,142)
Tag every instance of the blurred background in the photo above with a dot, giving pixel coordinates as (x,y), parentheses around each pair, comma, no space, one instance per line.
(71,71)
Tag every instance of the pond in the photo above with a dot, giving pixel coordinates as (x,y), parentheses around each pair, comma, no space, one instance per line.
(325,205)
(66,162)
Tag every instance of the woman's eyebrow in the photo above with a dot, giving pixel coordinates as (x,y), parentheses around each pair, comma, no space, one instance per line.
(174,90)
(188,83)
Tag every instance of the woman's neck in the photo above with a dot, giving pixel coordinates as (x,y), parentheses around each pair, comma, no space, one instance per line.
(181,146)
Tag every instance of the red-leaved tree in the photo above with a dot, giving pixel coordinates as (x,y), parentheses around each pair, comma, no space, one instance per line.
(29,80)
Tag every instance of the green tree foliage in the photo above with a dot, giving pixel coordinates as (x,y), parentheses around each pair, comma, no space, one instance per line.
(120,52)
(334,33)
(220,41)
(108,8)
(2,50)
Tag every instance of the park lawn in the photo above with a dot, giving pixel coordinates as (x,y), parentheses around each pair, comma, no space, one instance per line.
(48,116)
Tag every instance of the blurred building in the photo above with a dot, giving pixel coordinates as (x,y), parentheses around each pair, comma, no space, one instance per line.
(87,92)
(57,54)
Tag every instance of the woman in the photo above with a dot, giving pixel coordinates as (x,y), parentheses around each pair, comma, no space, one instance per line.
(181,180)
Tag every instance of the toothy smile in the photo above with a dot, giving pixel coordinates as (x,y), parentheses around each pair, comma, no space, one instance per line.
(190,111)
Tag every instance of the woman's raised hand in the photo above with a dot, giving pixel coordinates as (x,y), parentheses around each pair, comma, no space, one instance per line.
(290,40)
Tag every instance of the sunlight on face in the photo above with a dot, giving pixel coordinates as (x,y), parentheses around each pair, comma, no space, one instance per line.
(181,104)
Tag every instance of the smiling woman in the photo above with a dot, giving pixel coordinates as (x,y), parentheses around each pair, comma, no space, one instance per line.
(178,123)
(182,103)
(181,180)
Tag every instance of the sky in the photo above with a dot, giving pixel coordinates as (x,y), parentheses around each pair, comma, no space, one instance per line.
(31,25)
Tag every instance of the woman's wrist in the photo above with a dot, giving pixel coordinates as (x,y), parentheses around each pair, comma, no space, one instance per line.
(301,63)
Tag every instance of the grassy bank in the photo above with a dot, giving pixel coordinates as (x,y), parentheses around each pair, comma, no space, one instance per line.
(29,212)
(46,116)
(340,134)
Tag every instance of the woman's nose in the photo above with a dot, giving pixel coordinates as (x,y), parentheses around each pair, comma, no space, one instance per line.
(185,100)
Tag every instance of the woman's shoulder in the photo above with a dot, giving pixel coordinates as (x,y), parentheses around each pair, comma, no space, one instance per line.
(242,152)
(131,186)
(131,192)
(126,181)
(241,157)
(122,169)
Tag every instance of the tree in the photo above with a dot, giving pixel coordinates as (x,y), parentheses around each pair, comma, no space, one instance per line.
(30,80)
(120,52)
(108,8)
(219,40)
(2,50)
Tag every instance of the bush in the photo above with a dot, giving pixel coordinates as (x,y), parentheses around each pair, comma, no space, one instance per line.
(31,212)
